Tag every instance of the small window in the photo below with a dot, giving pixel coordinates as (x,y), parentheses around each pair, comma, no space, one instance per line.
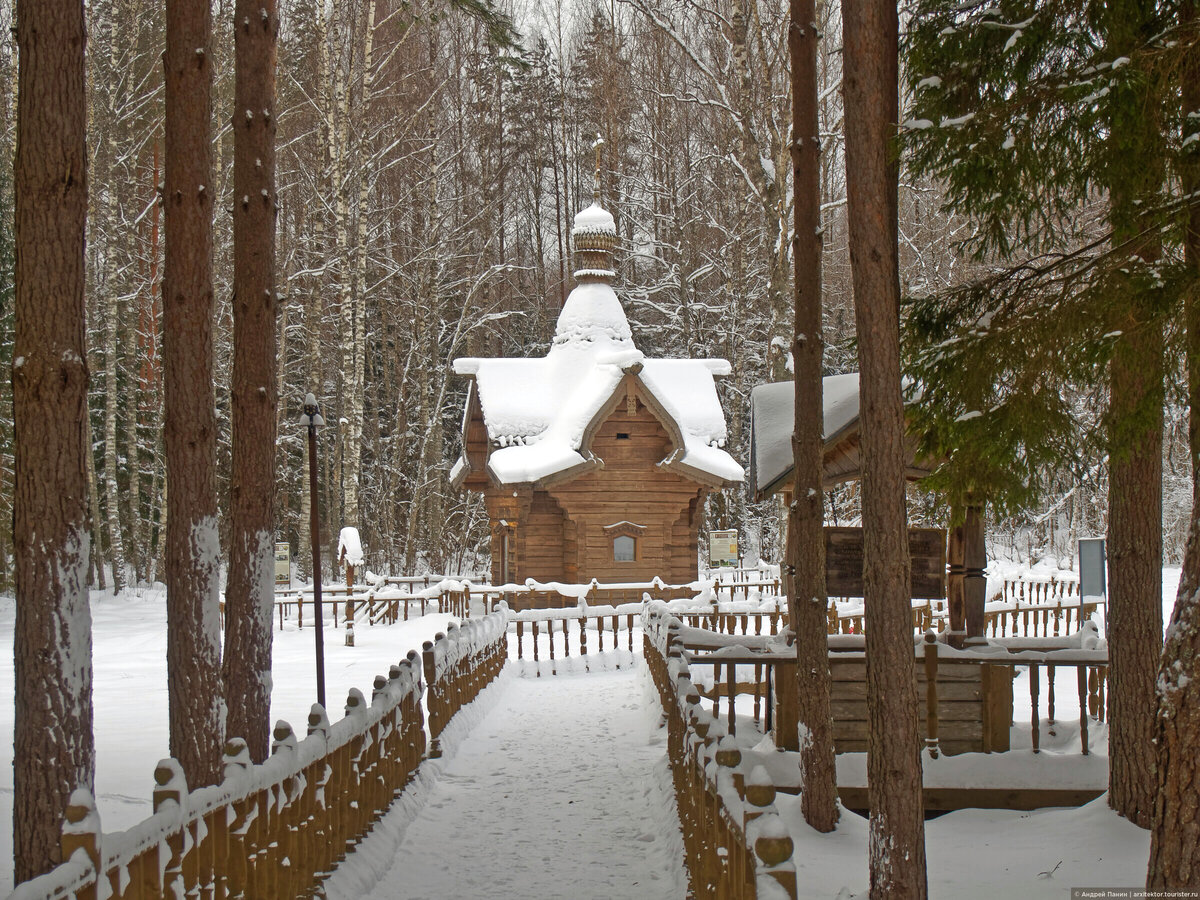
(623,548)
(622,435)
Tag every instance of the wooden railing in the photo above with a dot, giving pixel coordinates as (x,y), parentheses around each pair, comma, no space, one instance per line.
(736,844)
(966,695)
(276,829)
(361,604)
(458,665)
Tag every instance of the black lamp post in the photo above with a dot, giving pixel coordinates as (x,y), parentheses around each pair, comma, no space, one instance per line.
(312,418)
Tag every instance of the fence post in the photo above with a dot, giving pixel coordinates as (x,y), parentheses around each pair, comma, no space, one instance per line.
(787,735)
(433,700)
(931,694)
(81,831)
(170,785)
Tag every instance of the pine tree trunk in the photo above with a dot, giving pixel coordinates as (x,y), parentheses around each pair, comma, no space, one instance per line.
(193,553)
(250,583)
(1135,567)
(1135,441)
(1175,828)
(53,752)
(897,833)
(806,540)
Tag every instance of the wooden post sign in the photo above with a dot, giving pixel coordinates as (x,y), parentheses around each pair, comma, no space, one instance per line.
(844,562)
(723,548)
(283,564)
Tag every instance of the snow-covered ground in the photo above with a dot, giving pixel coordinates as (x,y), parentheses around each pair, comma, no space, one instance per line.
(129,659)
(971,853)
(559,788)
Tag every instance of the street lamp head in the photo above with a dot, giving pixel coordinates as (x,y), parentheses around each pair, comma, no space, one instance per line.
(312,414)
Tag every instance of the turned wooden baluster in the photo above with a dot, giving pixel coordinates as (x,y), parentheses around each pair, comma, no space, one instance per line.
(931,695)
(1050,698)
(716,710)
(731,687)
(1033,697)
(1081,673)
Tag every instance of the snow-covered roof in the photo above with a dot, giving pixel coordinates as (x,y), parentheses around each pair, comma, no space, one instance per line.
(536,411)
(772,421)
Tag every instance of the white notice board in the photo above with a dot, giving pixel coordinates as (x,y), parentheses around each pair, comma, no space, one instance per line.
(722,548)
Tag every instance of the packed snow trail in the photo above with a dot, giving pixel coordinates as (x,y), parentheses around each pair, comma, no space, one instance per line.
(550,787)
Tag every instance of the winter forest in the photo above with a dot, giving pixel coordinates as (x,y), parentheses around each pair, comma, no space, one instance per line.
(427,176)
(777,365)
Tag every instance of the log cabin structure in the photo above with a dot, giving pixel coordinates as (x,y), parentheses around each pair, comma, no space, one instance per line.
(772,421)
(594,461)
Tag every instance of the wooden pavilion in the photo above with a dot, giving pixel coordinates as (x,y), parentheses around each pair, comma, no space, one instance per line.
(772,421)
(594,460)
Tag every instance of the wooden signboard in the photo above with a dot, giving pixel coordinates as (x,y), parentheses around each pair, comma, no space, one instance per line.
(722,548)
(844,562)
(283,564)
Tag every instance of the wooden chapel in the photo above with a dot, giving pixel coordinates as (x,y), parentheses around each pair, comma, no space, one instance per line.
(594,461)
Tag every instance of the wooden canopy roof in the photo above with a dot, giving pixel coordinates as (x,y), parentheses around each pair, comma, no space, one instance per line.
(772,421)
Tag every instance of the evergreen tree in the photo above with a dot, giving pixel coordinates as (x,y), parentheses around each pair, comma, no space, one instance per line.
(1029,111)
(53,748)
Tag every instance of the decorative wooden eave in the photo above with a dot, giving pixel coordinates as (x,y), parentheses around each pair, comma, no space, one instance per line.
(632,386)
(629,529)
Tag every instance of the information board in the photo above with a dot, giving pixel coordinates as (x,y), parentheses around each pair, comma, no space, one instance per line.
(722,548)
(844,562)
(1093,580)
(283,564)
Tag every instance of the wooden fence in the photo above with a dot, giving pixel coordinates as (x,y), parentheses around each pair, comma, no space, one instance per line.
(361,604)
(736,844)
(276,829)
(966,696)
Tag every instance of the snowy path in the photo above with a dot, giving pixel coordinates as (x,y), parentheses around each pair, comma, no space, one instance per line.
(559,787)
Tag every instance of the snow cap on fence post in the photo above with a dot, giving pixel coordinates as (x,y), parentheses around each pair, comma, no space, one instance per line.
(356,703)
(378,687)
(170,783)
(773,847)
(81,828)
(318,721)
(237,759)
(760,790)
(283,737)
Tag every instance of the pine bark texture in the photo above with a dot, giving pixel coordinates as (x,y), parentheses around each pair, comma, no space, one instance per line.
(806,517)
(1135,569)
(196,707)
(54,752)
(897,833)
(1175,828)
(1135,438)
(250,584)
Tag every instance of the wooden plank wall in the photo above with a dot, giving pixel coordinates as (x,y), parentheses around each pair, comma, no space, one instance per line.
(631,487)
(974,706)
